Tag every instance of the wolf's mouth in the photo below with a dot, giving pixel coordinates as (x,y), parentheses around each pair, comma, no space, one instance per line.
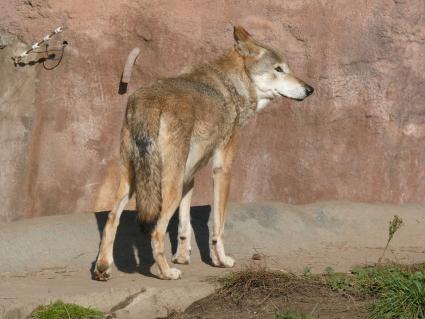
(292,98)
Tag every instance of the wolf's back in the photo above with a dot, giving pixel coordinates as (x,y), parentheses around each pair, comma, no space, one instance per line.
(144,152)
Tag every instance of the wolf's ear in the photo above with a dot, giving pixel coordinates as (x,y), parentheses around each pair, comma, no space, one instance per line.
(245,45)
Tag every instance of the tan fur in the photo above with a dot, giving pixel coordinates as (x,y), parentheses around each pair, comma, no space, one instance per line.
(142,150)
(173,127)
(123,195)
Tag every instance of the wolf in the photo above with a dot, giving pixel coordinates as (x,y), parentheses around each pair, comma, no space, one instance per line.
(173,127)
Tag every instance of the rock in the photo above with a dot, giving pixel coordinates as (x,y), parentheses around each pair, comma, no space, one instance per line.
(257,256)
(359,137)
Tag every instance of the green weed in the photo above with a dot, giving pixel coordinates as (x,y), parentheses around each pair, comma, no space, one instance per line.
(394,226)
(307,271)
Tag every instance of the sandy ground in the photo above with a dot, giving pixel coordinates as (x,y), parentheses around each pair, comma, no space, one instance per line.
(50,258)
(127,295)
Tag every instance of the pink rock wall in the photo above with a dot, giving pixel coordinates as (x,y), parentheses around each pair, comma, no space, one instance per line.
(360,137)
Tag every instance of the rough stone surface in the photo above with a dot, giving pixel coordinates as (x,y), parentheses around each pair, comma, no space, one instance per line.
(359,137)
(17,113)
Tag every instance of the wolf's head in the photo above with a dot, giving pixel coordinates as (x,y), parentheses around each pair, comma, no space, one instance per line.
(268,70)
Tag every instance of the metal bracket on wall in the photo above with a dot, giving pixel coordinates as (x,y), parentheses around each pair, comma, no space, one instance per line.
(48,53)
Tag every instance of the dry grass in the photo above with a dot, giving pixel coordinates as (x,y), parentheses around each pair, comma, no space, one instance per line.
(257,280)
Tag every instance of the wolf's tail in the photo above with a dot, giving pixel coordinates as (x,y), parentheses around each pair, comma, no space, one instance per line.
(143,124)
(144,128)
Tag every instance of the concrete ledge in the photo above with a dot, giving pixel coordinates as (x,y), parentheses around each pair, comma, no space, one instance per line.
(275,229)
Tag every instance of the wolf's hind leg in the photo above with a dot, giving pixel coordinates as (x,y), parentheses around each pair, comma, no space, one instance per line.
(171,196)
(105,257)
(174,151)
(182,256)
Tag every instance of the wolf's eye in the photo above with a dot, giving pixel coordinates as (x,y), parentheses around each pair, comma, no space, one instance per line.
(278,69)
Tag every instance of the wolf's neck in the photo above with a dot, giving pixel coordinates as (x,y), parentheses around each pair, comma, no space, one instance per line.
(239,85)
(262,104)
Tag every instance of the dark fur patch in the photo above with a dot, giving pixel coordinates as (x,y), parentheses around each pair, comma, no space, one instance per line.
(143,145)
(214,241)
(182,238)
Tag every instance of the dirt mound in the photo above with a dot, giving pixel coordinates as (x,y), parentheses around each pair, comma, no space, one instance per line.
(262,294)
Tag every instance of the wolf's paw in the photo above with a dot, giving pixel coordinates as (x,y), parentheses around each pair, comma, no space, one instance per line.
(172,274)
(228,262)
(102,272)
(214,258)
(181,258)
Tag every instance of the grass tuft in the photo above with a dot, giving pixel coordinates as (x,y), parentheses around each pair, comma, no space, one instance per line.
(402,296)
(61,310)
(399,290)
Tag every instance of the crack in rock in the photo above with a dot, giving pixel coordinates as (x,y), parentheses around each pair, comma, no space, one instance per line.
(122,304)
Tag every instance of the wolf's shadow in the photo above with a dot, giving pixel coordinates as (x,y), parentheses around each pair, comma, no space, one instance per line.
(132,246)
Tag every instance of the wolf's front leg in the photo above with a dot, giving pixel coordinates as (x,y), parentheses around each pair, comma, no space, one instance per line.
(222,162)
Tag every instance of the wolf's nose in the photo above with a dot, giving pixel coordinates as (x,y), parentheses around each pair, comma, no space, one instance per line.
(309,90)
